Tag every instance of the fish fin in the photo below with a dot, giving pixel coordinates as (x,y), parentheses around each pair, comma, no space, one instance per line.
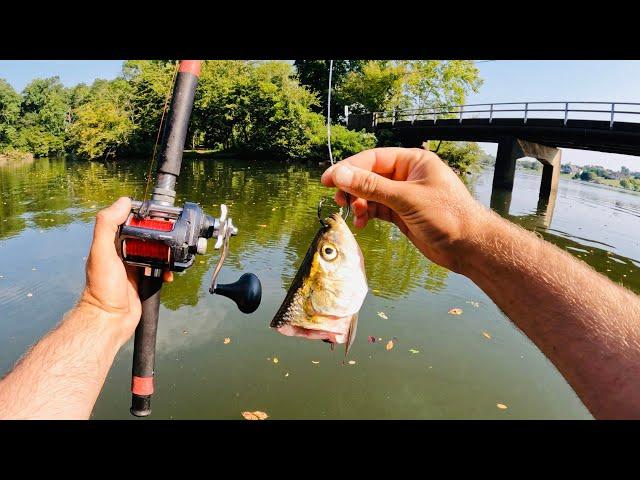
(353,326)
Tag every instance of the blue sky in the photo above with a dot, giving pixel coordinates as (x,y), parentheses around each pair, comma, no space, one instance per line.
(504,81)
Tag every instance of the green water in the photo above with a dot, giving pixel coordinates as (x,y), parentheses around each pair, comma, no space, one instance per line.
(46,220)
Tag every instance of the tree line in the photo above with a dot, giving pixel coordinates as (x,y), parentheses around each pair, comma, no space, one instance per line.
(253,108)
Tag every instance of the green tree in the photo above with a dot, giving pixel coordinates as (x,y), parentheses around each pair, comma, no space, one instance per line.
(9,114)
(44,117)
(587,175)
(378,86)
(103,123)
(462,157)
(314,74)
(150,82)
(441,83)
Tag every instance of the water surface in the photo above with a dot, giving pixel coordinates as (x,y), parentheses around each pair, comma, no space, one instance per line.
(46,221)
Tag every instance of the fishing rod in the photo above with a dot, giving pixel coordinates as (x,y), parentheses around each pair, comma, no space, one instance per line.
(159,236)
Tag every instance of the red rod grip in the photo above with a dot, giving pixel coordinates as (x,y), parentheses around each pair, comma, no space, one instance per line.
(190,66)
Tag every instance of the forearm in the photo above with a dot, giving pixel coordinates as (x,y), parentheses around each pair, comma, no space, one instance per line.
(62,375)
(588,326)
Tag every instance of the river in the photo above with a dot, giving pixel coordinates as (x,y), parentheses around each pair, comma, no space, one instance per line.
(442,366)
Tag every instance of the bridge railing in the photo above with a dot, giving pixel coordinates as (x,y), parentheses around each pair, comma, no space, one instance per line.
(610,111)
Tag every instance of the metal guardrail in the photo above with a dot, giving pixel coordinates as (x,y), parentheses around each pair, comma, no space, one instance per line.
(491,109)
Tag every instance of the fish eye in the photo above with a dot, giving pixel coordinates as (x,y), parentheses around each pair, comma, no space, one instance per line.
(328,251)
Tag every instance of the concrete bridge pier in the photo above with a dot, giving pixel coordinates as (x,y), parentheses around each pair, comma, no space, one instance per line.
(510,149)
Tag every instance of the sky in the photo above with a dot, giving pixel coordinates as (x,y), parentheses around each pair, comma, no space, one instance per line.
(504,81)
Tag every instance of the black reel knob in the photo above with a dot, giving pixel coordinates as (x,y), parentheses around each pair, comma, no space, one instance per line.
(246,292)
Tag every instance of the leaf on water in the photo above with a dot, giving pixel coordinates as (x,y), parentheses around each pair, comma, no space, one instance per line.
(352,362)
(315,362)
(227,341)
(486,335)
(375,290)
(455,311)
(257,415)
(263,226)
(389,345)
(286,374)
(29,294)
(414,351)
(273,209)
(184,332)
(501,406)
(383,315)
(371,339)
(275,360)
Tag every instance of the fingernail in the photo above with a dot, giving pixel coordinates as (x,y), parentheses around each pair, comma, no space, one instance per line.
(343,176)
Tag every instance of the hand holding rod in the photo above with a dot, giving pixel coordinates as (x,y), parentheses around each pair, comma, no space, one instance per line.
(169,164)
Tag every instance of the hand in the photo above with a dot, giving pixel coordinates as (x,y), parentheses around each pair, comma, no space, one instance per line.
(415,190)
(112,286)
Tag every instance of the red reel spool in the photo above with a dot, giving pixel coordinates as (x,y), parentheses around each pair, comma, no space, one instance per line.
(143,249)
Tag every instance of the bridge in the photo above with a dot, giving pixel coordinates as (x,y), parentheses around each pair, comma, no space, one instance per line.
(521,129)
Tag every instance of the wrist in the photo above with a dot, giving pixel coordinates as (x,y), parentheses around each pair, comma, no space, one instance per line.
(111,325)
(475,247)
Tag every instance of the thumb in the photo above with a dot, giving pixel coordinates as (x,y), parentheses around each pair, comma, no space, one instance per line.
(368,185)
(107,222)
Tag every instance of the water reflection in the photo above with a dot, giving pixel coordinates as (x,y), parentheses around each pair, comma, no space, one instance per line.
(46,217)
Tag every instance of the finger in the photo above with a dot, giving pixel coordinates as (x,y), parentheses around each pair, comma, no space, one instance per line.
(167,276)
(358,206)
(340,198)
(391,162)
(107,222)
(361,221)
(370,186)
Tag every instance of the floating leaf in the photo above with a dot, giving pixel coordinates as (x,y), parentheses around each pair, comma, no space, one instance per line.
(414,351)
(286,374)
(263,226)
(315,362)
(486,335)
(371,339)
(352,362)
(275,360)
(227,341)
(29,294)
(184,332)
(273,209)
(455,311)
(257,415)
(383,315)
(389,345)
(501,406)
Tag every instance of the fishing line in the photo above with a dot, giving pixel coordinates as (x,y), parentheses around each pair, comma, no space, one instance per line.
(155,146)
(348,207)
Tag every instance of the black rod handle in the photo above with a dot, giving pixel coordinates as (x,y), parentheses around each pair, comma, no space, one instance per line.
(144,347)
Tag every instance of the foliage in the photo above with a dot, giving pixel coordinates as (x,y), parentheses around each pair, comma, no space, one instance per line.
(460,156)
(378,86)
(103,122)
(314,74)
(43,117)
(9,114)
(587,175)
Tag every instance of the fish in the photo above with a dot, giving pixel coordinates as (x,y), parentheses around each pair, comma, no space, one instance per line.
(329,288)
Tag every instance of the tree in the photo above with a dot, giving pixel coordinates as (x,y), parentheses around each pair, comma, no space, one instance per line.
(9,114)
(103,123)
(377,87)
(460,156)
(150,82)
(44,117)
(587,175)
(314,74)
(440,83)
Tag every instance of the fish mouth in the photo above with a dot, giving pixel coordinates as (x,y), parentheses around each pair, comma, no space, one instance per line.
(311,334)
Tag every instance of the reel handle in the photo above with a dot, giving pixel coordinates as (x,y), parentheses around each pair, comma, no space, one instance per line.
(246,292)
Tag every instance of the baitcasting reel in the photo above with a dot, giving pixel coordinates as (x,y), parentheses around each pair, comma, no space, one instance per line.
(161,237)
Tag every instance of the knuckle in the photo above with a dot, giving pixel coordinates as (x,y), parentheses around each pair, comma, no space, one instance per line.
(369,183)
